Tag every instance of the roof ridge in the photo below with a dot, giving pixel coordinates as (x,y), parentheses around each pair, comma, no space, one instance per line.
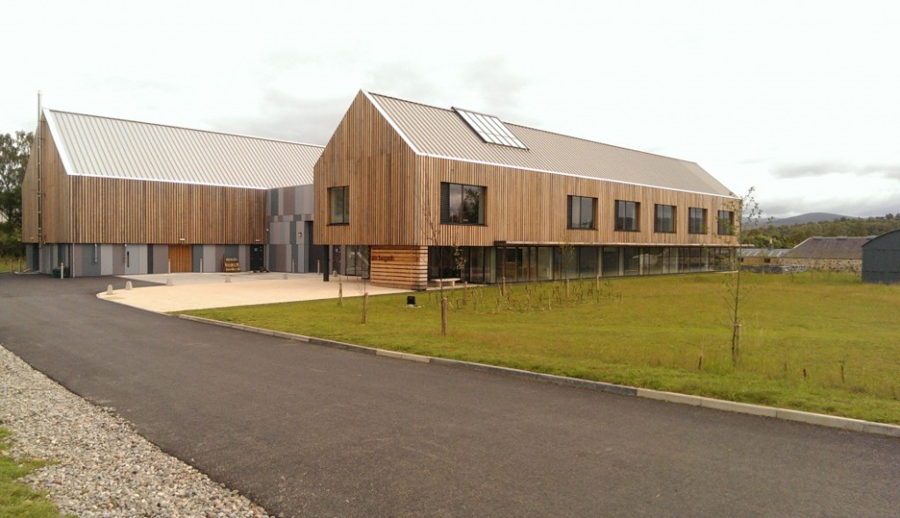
(240,135)
(538,129)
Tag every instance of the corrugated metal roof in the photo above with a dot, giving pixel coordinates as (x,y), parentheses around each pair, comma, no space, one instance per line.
(101,146)
(763,252)
(829,248)
(441,132)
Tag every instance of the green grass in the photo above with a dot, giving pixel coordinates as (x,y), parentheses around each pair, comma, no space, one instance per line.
(16,499)
(799,333)
(8,264)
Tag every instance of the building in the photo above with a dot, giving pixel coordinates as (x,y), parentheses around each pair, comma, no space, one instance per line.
(762,256)
(834,254)
(106,196)
(881,259)
(432,193)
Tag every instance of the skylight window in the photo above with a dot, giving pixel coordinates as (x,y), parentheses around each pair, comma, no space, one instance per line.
(490,129)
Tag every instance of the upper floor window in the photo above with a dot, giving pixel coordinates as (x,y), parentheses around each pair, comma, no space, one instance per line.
(339,201)
(725,223)
(627,215)
(581,212)
(696,220)
(664,218)
(462,204)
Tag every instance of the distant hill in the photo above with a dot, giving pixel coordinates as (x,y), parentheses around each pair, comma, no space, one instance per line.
(811,217)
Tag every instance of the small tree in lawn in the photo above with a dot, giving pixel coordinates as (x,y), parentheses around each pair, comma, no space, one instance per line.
(745,214)
(433,235)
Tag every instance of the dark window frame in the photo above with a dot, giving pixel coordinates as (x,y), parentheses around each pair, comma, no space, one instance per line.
(575,205)
(657,219)
(697,225)
(725,223)
(464,212)
(625,222)
(343,214)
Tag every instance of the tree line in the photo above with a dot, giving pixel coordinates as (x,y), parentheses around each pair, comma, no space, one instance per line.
(14,153)
(789,236)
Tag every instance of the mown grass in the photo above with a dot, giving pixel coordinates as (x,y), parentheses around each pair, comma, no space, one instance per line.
(817,342)
(11,264)
(17,499)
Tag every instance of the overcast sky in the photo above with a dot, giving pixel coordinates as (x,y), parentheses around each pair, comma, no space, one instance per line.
(799,99)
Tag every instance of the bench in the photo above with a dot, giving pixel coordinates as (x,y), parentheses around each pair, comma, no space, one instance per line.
(449,282)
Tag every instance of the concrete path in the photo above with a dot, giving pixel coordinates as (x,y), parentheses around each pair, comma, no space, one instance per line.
(313,431)
(218,290)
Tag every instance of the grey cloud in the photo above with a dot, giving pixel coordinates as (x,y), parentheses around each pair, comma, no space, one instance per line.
(405,81)
(824,167)
(496,84)
(286,117)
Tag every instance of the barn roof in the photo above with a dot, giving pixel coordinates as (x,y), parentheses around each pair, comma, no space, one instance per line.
(90,145)
(445,133)
(763,252)
(829,248)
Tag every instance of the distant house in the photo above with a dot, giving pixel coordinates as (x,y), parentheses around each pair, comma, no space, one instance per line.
(761,256)
(836,254)
(881,259)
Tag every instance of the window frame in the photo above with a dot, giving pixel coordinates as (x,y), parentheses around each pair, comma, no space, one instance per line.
(725,225)
(622,219)
(447,213)
(570,212)
(343,214)
(692,227)
(657,218)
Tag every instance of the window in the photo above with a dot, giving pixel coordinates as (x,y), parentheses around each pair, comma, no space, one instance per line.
(581,212)
(627,215)
(462,204)
(725,223)
(696,221)
(490,129)
(339,199)
(664,219)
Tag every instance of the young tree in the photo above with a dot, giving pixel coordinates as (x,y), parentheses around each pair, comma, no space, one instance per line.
(746,214)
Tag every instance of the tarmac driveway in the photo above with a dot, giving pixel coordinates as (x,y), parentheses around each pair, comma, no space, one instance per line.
(313,431)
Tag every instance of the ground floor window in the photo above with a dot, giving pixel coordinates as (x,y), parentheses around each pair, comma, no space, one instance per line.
(512,264)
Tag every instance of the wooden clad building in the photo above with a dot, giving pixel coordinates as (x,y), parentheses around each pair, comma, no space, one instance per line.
(106,196)
(433,193)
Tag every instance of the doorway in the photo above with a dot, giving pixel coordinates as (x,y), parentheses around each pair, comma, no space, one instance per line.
(180,258)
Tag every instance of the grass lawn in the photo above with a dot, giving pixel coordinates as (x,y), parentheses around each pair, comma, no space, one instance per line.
(817,342)
(16,499)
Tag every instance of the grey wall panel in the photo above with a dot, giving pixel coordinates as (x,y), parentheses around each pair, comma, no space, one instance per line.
(136,259)
(90,260)
(196,257)
(118,259)
(160,259)
(244,256)
(106,259)
(209,259)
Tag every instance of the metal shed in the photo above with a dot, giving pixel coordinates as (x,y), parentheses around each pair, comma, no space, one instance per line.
(881,259)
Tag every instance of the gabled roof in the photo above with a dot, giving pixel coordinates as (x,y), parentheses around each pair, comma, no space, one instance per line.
(115,148)
(439,132)
(829,248)
(763,252)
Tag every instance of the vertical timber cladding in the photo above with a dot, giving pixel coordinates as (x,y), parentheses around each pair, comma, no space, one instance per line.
(530,207)
(403,267)
(111,210)
(366,154)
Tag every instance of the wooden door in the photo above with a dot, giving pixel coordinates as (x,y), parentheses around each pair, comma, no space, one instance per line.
(180,258)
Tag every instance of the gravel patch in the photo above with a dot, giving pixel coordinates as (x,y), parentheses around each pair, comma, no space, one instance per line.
(99,466)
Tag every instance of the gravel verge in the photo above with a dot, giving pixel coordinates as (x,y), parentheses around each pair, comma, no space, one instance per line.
(99,466)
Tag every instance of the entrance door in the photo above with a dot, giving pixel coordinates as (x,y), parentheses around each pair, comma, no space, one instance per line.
(180,258)
(257,258)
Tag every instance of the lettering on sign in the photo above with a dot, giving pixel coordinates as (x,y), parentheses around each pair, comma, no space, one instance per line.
(383,258)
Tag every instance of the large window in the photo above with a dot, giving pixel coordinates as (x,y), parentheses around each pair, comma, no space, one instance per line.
(696,221)
(462,204)
(339,200)
(581,212)
(725,223)
(627,215)
(664,219)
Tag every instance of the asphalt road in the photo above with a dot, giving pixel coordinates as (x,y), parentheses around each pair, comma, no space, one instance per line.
(313,431)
